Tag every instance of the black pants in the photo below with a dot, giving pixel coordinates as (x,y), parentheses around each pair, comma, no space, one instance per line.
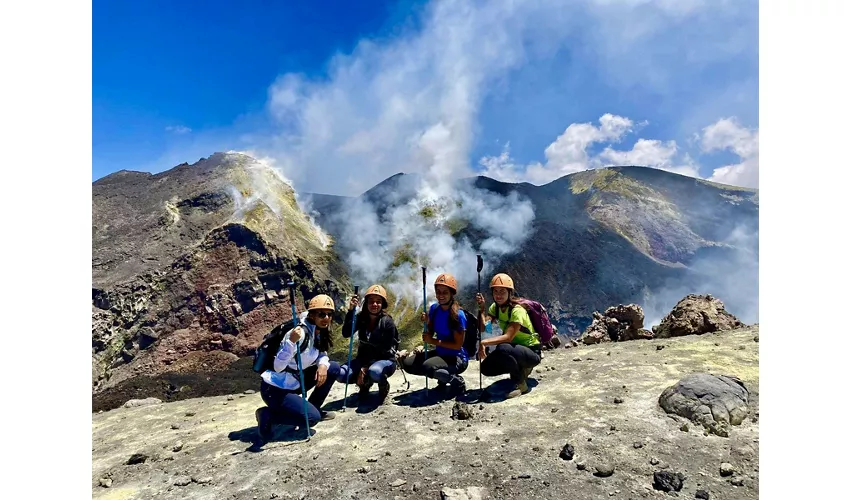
(509,358)
(287,407)
(444,368)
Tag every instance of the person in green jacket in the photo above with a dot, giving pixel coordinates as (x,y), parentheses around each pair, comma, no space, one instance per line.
(518,349)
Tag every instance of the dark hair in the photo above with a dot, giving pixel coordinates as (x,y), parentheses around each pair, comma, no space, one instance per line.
(454,315)
(363,320)
(325,341)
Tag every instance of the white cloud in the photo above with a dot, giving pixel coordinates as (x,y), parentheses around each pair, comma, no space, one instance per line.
(178,129)
(411,102)
(728,134)
(652,153)
(569,153)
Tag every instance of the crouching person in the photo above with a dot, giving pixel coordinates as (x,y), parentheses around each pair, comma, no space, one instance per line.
(281,387)
(376,347)
(517,351)
(446,325)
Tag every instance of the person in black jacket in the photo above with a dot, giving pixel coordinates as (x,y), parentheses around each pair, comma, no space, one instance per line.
(377,343)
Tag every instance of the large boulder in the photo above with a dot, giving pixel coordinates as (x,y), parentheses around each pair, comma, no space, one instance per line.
(696,314)
(713,401)
(597,331)
(621,322)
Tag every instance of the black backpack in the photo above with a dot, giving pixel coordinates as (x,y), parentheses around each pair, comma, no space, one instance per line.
(470,339)
(267,350)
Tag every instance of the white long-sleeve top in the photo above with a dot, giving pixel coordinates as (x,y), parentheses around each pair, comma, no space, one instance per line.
(285,358)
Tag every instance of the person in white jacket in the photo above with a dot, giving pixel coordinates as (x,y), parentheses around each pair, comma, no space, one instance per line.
(281,387)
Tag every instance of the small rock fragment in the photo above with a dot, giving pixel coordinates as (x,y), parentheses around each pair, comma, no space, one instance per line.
(618,400)
(581,466)
(737,481)
(462,411)
(202,480)
(701,495)
(567,452)
(659,347)
(105,482)
(137,458)
(604,470)
(638,445)
(190,414)
(363,470)
(726,469)
(175,426)
(667,481)
(524,476)
(684,427)
(177,447)
(230,398)
(654,461)
(182,480)
(398,482)
(249,391)
(133,403)
(372,459)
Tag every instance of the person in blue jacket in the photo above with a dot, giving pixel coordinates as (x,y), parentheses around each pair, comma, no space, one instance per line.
(446,326)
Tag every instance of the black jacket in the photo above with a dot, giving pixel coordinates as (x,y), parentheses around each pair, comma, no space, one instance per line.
(381,343)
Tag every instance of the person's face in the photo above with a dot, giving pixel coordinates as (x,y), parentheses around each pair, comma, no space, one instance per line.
(500,295)
(322,317)
(374,303)
(443,293)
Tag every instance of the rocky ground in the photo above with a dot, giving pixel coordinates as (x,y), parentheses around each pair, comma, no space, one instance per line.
(601,399)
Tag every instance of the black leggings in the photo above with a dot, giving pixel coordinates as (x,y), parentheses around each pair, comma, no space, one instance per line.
(444,368)
(509,358)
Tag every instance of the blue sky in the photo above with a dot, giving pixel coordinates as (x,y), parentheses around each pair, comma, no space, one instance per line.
(362,90)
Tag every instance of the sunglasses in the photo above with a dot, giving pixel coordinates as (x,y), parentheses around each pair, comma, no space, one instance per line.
(323,315)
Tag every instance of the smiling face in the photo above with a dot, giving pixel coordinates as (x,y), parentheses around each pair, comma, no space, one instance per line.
(501,295)
(374,304)
(443,293)
(321,317)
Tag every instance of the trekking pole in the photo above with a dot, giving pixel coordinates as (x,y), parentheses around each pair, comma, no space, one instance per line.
(425,326)
(401,369)
(350,348)
(480,312)
(298,356)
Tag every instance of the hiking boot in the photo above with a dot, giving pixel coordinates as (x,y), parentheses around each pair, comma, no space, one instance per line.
(327,415)
(521,388)
(458,386)
(383,390)
(264,423)
(363,395)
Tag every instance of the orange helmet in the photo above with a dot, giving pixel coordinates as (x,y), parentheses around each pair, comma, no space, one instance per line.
(447,280)
(320,302)
(502,280)
(379,291)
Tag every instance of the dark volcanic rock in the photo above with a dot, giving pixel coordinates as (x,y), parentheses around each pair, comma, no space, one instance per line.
(618,323)
(696,314)
(462,411)
(567,452)
(667,481)
(137,458)
(715,402)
